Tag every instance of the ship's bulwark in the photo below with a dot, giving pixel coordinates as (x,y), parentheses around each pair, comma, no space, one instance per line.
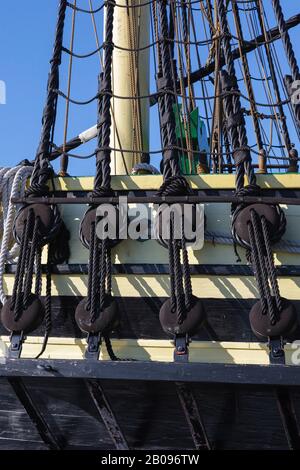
(237,410)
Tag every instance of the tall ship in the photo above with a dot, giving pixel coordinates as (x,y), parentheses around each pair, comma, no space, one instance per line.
(155,304)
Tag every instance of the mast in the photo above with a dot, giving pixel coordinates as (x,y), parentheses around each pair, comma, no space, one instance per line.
(130,77)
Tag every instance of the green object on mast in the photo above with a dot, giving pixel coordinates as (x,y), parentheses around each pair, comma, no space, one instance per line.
(195,128)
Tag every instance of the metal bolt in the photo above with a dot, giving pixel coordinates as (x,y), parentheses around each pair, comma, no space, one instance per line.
(45,367)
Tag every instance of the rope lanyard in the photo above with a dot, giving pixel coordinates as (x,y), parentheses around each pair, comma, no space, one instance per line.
(290,54)
(97,314)
(247,77)
(181,295)
(286,135)
(64,160)
(255,226)
(166,99)
(286,40)
(41,170)
(233,109)
(102,184)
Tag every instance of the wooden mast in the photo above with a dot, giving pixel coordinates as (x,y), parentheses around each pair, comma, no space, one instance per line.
(130,126)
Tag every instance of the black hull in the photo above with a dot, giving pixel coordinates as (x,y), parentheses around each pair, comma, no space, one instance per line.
(150,416)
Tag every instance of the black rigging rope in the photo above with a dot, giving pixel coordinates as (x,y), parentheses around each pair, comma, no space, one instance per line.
(286,40)
(289,50)
(138,49)
(173,182)
(119,5)
(41,169)
(156,95)
(99,299)
(259,246)
(247,77)
(285,130)
(233,109)
(102,185)
(166,100)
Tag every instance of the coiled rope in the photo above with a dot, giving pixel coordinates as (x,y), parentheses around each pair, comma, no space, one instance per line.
(13,186)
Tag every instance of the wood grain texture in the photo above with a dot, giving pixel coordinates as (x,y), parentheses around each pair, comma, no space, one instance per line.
(152,286)
(150,417)
(225,181)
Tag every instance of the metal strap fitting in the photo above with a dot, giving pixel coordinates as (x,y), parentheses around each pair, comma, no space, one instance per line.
(93,346)
(276,351)
(16,343)
(181,352)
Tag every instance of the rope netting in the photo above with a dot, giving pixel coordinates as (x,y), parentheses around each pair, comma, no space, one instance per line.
(265,73)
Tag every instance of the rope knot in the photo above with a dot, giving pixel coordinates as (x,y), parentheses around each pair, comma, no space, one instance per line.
(235,120)
(249,190)
(102,191)
(228,82)
(107,45)
(102,154)
(242,155)
(106,3)
(39,186)
(174,186)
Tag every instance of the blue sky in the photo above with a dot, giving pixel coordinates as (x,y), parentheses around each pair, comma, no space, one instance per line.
(26,40)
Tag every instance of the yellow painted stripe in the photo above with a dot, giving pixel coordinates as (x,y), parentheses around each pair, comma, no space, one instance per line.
(275,181)
(154,350)
(218,287)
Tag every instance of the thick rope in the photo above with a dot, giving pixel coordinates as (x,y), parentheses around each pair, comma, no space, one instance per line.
(48,305)
(247,76)
(94,273)
(263,265)
(266,271)
(173,182)
(270,264)
(100,269)
(103,180)
(22,266)
(13,187)
(41,168)
(233,109)
(38,272)
(289,50)
(99,282)
(166,99)
(285,130)
(28,281)
(188,291)
(254,258)
(178,281)
(172,269)
(287,43)
(91,264)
